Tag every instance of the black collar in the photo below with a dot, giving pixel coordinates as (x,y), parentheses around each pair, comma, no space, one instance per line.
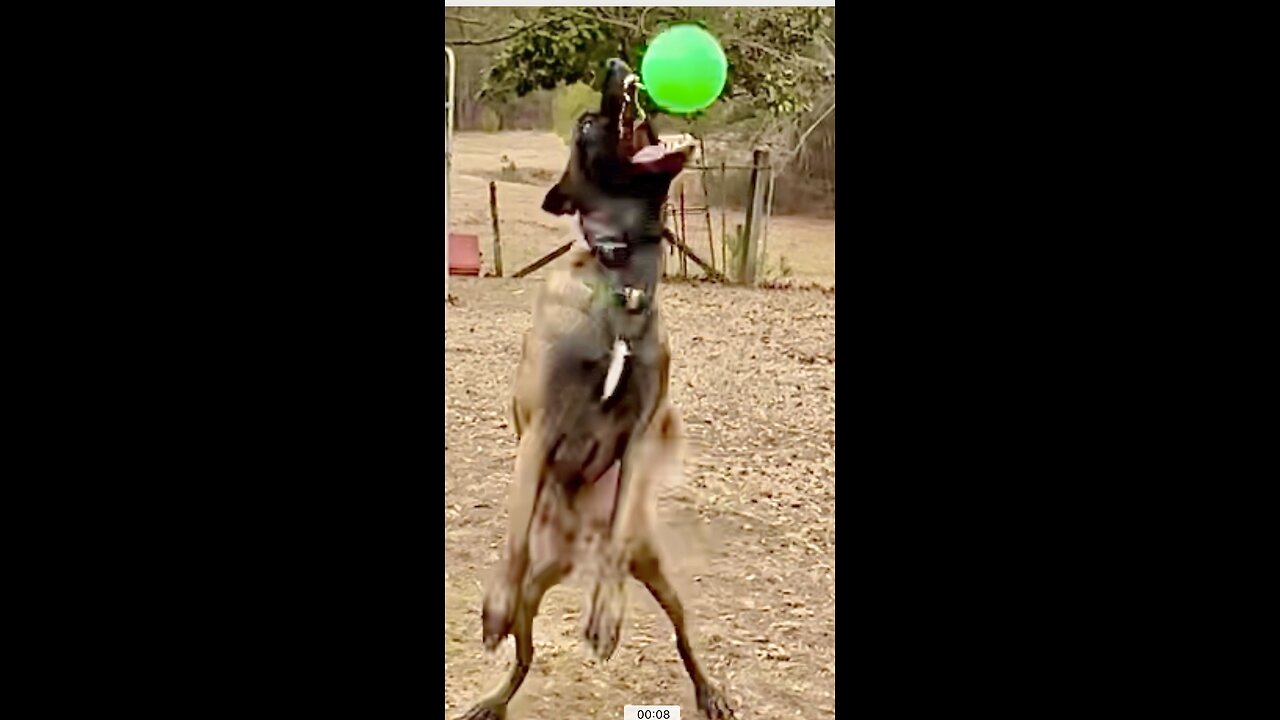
(614,254)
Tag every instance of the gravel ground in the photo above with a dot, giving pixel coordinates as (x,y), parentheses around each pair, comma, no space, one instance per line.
(751,526)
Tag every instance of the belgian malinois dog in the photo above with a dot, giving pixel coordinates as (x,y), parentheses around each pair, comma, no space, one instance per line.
(596,430)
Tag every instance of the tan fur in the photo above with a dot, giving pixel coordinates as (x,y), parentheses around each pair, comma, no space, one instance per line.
(566,507)
(534,562)
(565,300)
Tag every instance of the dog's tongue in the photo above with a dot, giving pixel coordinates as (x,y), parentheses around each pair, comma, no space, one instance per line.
(658,158)
(650,158)
(650,153)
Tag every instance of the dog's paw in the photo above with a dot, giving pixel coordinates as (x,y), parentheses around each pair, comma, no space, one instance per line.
(497,615)
(603,626)
(484,711)
(713,703)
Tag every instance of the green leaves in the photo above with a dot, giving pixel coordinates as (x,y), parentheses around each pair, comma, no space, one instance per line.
(773,53)
(774,62)
(557,48)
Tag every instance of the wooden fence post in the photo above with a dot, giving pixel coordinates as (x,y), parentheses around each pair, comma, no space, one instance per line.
(684,238)
(497,239)
(755,216)
(724,209)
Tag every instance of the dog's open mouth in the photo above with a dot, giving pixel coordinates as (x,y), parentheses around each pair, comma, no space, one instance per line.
(630,113)
(636,143)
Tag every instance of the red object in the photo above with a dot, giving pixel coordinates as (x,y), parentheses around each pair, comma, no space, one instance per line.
(464,254)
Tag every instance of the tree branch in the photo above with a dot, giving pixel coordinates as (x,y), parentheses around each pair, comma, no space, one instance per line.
(501,38)
(461,19)
(805,135)
(604,19)
(670,13)
(780,56)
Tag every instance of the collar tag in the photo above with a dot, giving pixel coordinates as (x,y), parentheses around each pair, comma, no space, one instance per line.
(620,353)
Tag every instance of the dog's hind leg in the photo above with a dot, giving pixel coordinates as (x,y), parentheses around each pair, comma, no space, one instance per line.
(657,455)
(647,568)
(493,706)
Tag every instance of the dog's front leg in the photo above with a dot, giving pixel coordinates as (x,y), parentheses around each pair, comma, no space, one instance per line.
(645,462)
(654,455)
(608,599)
(503,596)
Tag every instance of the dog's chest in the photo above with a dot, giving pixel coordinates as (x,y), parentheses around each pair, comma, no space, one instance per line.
(575,519)
(580,310)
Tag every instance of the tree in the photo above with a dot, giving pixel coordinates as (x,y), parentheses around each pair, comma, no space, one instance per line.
(778,61)
(780,90)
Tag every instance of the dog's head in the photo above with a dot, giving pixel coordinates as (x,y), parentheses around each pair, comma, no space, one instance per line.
(614,152)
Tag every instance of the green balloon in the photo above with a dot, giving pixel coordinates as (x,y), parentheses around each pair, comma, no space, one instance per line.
(684,69)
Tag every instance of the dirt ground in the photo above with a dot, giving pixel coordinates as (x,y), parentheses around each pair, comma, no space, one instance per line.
(750,529)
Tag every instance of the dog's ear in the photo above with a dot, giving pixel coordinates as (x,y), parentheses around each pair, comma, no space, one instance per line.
(557,201)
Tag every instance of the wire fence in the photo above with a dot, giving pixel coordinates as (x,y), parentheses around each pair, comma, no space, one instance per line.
(709,212)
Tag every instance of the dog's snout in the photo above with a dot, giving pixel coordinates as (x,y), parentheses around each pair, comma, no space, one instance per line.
(617,70)
(612,90)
